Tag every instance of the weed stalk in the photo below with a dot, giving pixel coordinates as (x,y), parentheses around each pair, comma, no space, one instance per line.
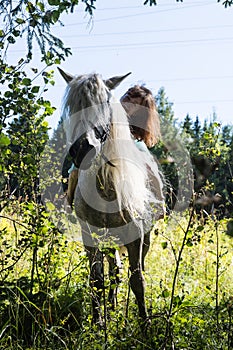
(178,261)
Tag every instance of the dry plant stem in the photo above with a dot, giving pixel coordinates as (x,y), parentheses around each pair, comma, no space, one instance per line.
(105,306)
(15,222)
(15,262)
(128,298)
(178,261)
(172,246)
(229,335)
(217,277)
(34,261)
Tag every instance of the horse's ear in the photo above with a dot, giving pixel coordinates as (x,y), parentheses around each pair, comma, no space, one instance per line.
(115,81)
(68,77)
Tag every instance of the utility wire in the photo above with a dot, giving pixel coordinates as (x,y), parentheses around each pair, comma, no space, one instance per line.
(137,45)
(147,31)
(151,12)
(139,7)
(203,101)
(172,80)
(219,77)
(151,44)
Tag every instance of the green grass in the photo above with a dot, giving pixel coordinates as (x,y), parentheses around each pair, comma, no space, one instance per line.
(45,298)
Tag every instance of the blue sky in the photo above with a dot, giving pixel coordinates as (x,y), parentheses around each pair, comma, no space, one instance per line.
(185,47)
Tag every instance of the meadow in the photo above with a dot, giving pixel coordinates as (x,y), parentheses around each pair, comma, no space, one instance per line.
(45,300)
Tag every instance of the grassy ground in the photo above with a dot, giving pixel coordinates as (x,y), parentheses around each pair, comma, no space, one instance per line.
(45,298)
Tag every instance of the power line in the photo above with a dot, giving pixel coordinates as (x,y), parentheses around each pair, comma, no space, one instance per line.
(151,44)
(173,80)
(151,12)
(145,45)
(192,78)
(139,7)
(203,101)
(148,31)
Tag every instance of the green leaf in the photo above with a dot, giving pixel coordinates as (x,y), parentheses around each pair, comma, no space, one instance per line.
(26,81)
(55,16)
(216,125)
(7,94)
(41,6)
(177,301)
(164,245)
(20,20)
(11,39)
(50,206)
(211,252)
(4,140)
(54,2)
(189,242)
(35,89)
(16,32)
(165,293)
(113,286)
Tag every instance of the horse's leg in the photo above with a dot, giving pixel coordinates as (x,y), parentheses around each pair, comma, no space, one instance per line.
(96,280)
(72,182)
(114,266)
(137,253)
(145,249)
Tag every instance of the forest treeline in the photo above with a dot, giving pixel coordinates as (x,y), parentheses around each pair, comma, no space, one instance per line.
(210,147)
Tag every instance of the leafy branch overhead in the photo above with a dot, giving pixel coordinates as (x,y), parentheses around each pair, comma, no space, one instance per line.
(34,19)
(226,3)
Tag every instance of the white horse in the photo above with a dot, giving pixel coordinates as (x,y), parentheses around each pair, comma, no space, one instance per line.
(119,191)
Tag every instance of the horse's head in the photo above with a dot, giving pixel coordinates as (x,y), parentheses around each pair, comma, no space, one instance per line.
(87,107)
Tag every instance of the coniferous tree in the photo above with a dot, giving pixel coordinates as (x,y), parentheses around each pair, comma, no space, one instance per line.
(187,125)
(197,130)
(163,149)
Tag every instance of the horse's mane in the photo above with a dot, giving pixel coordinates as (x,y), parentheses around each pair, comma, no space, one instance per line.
(144,120)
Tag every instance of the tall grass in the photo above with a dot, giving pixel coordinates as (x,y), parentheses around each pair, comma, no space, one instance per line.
(45,299)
